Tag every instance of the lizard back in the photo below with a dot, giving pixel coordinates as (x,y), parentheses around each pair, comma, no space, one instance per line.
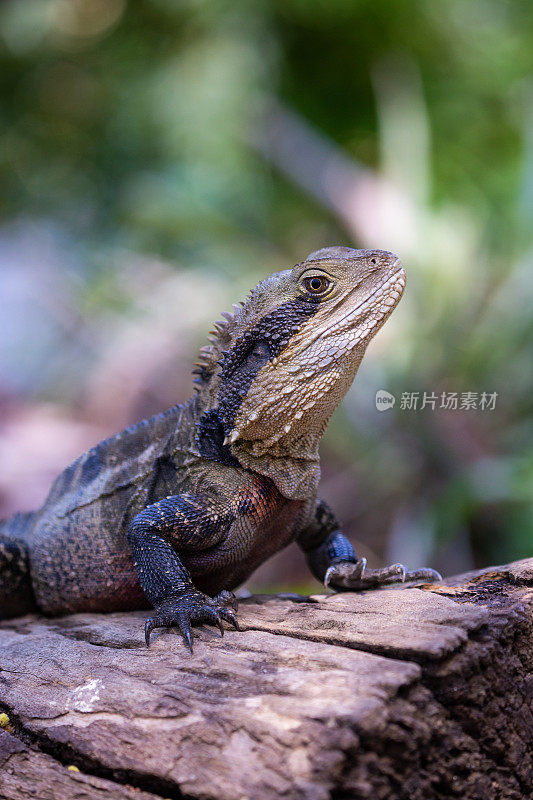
(79,556)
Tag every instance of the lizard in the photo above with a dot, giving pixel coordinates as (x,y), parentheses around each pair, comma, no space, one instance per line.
(178,510)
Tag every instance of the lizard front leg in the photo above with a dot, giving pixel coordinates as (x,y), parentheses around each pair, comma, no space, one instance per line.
(333,561)
(186,521)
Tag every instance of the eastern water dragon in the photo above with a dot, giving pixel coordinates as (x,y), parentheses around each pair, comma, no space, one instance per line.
(181,508)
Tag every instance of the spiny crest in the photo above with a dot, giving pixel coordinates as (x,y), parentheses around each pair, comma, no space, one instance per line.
(212,354)
(228,329)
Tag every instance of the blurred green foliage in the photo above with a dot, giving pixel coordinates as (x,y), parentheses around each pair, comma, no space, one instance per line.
(130,120)
(130,127)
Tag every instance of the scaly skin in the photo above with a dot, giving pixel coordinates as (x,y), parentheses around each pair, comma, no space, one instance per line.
(180,509)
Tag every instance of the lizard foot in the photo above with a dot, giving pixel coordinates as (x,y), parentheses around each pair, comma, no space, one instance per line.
(347,576)
(192,606)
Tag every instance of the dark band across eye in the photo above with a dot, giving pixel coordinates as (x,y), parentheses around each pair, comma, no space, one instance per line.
(316,284)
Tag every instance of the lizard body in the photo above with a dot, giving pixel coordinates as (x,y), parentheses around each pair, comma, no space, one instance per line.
(181,508)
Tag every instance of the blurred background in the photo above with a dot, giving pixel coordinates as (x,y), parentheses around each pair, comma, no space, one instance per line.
(158,158)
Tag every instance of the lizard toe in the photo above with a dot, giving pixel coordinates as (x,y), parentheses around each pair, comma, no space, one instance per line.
(229,615)
(191,607)
(167,621)
(213,615)
(227,605)
(348,576)
(225,599)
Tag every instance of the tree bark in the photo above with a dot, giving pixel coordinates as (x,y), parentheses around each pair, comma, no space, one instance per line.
(414,694)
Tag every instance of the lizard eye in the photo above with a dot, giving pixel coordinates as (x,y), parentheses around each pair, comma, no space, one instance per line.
(316,284)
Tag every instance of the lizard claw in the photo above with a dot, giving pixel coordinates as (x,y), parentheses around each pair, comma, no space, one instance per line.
(356,573)
(348,576)
(189,607)
(227,604)
(230,617)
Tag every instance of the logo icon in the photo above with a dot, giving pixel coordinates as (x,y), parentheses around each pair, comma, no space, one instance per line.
(384,400)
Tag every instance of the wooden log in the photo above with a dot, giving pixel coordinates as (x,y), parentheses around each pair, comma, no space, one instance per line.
(412,694)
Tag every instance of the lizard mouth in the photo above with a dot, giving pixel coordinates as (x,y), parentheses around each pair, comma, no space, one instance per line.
(391,289)
(364,321)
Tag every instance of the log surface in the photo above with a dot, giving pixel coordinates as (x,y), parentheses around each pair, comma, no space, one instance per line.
(402,693)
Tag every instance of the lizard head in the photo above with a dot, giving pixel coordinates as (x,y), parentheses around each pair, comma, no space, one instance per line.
(277,369)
